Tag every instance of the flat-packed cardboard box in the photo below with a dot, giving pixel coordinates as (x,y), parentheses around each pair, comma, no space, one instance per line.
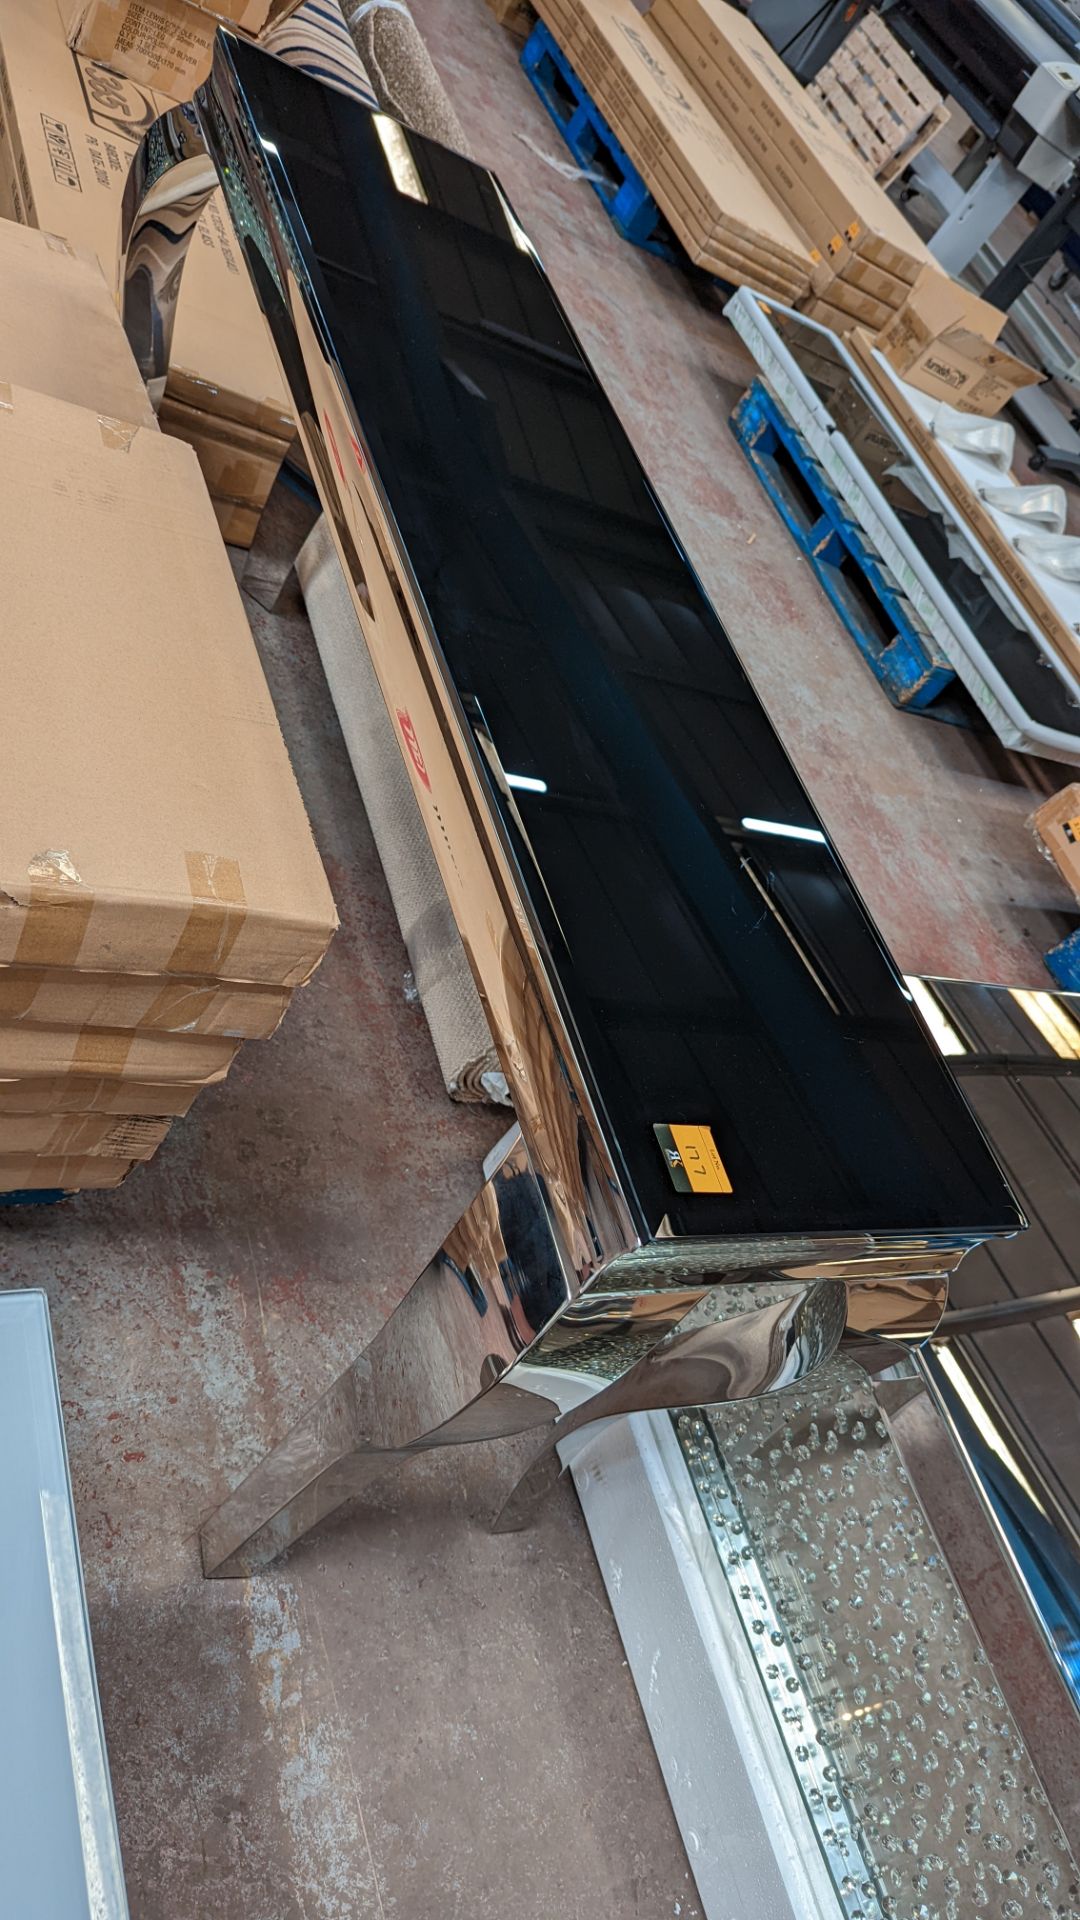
(96,1135)
(827,315)
(67,997)
(162,831)
(860,306)
(109,1053)
(238,463)
(75,1173)
(69,129)
(237,524)
(1057,824)
(807,159)
(78,1093)
(59,329)
(694,169)
(942,342)
(873,279)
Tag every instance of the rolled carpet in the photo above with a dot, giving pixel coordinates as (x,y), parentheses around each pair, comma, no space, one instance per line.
(459,1029)
(402,71)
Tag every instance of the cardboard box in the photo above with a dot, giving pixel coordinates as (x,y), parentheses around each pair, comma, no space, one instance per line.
(59,329)
(735,114)
(670,133)
(695,171)
(95,1135)
(25,1173)
(942,342)
(252,16)
(79,1094)
(805,157)
(517,16)
(238,463)
(827,315)
(1057,824)
(164,44)
(870,278)
(69,129)
(66,997)
(163,830)
(856,304)
(106,1053)
(168,45)
(237,524)
(896,401)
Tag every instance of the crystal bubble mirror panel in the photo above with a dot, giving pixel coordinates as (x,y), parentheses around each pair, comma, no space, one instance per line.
(922,1794)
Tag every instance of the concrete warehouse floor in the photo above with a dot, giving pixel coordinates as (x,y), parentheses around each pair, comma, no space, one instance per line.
(408,1718)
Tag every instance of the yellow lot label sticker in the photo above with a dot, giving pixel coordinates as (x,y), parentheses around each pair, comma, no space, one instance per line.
(693,1159)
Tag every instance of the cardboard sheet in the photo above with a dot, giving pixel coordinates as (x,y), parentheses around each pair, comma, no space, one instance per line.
(59,329)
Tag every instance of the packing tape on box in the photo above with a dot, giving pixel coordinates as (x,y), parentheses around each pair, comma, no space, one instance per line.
(57,916)
(116,434)
(19,988)
(57,244)
(101,1051)
(214,923)
(7,404)
(178,1008)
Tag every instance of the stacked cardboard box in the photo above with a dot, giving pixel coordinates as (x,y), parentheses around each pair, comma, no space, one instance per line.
(68,128)
(869,256)
(727,221)
(160,894)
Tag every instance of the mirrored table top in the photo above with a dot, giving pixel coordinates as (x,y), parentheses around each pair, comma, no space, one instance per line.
(716,967)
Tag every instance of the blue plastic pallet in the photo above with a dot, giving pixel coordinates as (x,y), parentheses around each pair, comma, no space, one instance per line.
(905,661)
(627,200)
(1064,962)
(42,1197)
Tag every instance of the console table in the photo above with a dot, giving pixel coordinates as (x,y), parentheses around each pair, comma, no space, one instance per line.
(718,1077)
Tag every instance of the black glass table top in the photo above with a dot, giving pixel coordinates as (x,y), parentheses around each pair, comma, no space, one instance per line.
(716,966)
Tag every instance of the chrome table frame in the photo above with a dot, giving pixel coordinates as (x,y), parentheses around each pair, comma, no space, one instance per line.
(550,1270)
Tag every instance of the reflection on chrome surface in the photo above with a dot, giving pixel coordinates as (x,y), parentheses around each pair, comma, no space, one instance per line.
(717,1075)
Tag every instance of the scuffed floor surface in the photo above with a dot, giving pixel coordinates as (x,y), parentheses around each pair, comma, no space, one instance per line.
(410,1720)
